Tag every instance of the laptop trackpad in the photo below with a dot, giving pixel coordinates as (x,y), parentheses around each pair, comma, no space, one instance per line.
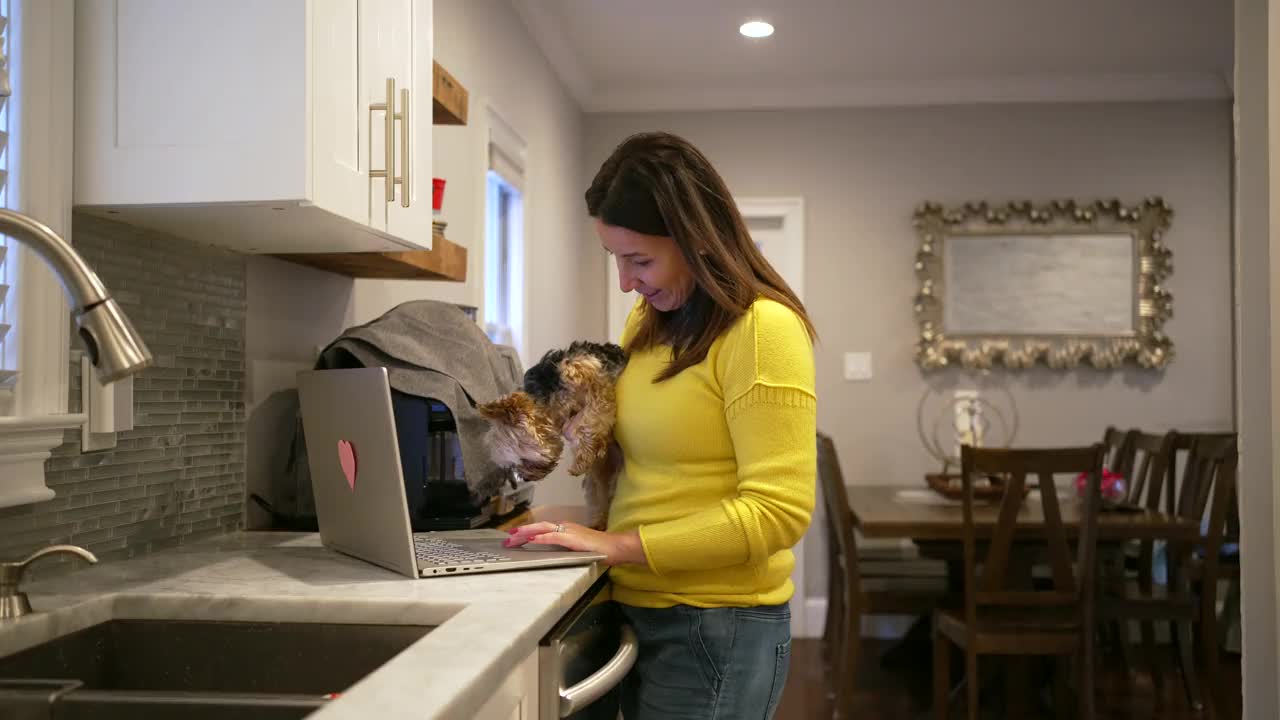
(532,547)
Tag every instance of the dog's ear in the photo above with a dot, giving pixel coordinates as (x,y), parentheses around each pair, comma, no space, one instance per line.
(590,429)
(511,409)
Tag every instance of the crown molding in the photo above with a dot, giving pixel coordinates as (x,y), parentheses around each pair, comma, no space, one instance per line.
(544,25)
(949,91)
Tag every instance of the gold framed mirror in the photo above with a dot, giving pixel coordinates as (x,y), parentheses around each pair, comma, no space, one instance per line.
(1061,284)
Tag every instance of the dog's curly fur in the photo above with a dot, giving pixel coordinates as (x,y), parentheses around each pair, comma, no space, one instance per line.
(568,400)
(523,435)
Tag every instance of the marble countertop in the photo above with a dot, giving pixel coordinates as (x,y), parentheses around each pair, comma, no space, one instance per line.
(487,623)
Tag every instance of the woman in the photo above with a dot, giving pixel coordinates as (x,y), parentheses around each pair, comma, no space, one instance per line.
(716,422)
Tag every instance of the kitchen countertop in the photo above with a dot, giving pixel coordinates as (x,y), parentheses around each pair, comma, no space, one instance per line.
(488,622)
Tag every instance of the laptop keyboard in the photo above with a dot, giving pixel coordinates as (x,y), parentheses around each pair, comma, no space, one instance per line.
(434,551)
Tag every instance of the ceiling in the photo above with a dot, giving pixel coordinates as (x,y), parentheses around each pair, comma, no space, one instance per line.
(618,55)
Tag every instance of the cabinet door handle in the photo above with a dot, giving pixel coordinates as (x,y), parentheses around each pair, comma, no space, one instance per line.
(388,173)
(403,116)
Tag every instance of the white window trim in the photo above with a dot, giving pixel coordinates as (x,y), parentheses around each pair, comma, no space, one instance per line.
(43,58)
(499,135)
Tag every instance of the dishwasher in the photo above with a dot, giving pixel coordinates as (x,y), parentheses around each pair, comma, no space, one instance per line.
(583,659)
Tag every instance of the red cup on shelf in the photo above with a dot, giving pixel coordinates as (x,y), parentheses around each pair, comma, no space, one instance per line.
(437,193)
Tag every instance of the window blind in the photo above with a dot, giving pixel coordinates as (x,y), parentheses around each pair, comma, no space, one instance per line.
(8,354)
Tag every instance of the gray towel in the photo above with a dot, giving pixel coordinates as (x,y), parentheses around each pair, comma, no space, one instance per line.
(432,349)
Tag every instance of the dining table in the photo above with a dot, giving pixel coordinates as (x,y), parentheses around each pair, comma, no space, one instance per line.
(934,523)
(922,514)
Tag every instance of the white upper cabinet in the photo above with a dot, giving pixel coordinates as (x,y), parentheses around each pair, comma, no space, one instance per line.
(413,43)
(259,126)
(339,160)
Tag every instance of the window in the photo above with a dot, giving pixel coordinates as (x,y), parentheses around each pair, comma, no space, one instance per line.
(504,286)
(36,159)
(503,231)
(8,275)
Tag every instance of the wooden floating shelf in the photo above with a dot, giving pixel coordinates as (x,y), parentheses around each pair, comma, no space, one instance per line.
(449,99)
(444,261)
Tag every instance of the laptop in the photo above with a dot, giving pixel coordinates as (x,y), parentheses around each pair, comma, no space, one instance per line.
(359,491)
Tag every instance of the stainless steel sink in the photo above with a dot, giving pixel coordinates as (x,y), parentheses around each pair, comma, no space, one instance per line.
(196,669)
(40,700)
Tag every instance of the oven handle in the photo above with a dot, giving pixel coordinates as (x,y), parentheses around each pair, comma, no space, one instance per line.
(604,679)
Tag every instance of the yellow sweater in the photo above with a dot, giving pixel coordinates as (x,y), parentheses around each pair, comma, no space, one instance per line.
(720,466)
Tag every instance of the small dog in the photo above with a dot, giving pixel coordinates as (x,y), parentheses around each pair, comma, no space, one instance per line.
(568,400)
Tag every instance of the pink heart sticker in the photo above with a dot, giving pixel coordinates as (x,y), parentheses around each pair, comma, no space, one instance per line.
(347,457)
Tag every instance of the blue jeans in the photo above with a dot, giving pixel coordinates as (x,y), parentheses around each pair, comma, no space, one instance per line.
(707,664)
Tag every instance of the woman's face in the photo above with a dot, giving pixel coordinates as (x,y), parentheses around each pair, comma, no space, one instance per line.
(651,265)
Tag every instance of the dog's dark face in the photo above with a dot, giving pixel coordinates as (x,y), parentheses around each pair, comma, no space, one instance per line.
(544,379)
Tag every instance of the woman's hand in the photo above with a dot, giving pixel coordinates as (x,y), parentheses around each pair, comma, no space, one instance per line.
(619,548)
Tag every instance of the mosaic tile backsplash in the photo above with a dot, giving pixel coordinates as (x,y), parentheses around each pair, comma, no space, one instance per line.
(180,473)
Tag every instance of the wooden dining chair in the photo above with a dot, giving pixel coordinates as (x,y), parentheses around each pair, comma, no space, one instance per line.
(1194,485)
(1152,482)
(1204,492)
(847,600)
(1119,449)
(1004,614)
(1120,457)
(1130,572)
(1210,492)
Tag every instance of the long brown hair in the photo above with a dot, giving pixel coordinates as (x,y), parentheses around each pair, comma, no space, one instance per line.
(659,184)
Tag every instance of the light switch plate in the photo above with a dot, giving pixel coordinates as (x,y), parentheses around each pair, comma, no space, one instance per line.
(857,366)
(108,408)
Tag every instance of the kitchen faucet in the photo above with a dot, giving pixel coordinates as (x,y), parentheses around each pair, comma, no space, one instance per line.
(114,346)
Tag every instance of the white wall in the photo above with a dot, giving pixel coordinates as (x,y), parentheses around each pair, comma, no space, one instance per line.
(862,172)
(1257,335)
(293,309)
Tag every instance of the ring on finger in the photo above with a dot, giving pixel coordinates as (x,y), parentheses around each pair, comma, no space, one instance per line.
(560,528)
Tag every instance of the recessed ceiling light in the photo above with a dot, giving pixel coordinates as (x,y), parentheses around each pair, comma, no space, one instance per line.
(756,29)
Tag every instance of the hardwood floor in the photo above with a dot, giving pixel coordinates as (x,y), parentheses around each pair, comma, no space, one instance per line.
(903,694)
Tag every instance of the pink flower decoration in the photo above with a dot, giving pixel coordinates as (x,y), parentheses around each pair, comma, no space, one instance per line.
(1113,485)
